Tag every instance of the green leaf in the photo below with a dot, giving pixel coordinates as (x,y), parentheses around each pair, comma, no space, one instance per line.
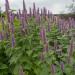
(3,66)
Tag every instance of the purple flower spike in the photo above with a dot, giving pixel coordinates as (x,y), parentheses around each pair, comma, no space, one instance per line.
(70,48)
(20,15)
(38,18)
(24,6)
(34,10)
(11,22)
(44,11)
(43,34)
(53,69)
(38,11)
(1,37)
(24,11)
(21,71)
(7,9)
(7,5)
(41,12)
(30,12)
(48,14)
(62,66)
(13,41)
(2,23)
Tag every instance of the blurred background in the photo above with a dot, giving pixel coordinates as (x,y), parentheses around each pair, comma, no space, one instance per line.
(55,6)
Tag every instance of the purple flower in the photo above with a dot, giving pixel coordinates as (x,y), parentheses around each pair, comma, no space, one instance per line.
(38,11)
(70,48)
(24,14)
(41,12)
(44,12)
(11,22)
(0,10)
(24,26)
(38,19)
(24,6)
(62,66)
(34,10)
(20,15)
(48,14)
(43,34)
(7,5)
(22,23)
(7,9)
(53,69)
(30,12)
(1,36)
(13,40)
(2,23)
(17,15)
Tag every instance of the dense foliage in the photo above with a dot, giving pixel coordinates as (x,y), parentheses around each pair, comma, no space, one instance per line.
(36,44)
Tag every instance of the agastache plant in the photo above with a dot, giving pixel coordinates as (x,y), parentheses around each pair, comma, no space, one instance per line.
(45,12)
(70,50)
(21,18)
(44,39)
(24,14)
(48,14)
(53,69)
(7,9)
(38,11)
(38,18)
(3,27)
(43,34)
(0,11)
(22,24)
(20,15)
(13,40)
(1,36)
(41,12)
(12,29)
(31,38)
(2,23)
(11,22)
(62,66)
(34,10)
(49,25)
(30,12)
(8,16)
(24,6)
